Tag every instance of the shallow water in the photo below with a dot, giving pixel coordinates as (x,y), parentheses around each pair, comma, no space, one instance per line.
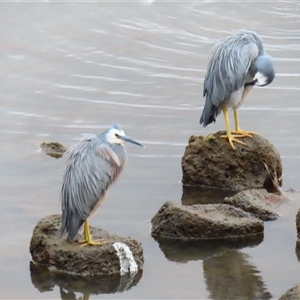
(74,68)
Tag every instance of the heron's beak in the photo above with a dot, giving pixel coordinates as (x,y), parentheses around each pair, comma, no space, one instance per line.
(130,140)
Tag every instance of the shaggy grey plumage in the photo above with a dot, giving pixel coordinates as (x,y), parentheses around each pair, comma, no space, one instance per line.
(233,65)
(93,164)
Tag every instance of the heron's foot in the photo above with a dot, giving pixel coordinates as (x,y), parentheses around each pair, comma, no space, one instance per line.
(91,242)
(233,138)
(243,133)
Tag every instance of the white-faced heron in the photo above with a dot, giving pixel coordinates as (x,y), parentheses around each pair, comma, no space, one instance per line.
(236,64)
(93,164)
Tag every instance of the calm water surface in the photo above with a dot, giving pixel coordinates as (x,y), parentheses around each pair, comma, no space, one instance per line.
(74,68)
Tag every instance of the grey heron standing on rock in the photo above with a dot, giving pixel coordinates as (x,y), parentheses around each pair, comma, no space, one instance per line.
(237,64)
(94,163)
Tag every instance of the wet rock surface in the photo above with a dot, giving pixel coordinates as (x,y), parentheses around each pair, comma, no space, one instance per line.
(53,149)
(203,221)
(211,162)
(291,294)
(260,203)
(47,248)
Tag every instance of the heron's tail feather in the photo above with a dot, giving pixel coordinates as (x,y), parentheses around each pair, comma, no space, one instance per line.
(71,222)
(209,114)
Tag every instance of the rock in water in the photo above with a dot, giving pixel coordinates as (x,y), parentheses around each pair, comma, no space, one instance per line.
(203,221)
(211,162)
(118,256)
(260,203)
(291,294)
(53,149)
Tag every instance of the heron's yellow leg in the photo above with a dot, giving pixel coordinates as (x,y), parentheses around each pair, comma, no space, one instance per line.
(88,237)
(238,130)
(231,138)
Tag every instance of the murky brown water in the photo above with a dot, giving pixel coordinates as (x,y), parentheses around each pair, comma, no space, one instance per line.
(74,68)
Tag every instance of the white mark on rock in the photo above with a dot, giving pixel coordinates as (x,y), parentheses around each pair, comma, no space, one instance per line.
(127,262)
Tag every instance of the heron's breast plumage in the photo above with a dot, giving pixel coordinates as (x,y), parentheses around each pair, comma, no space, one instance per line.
(116,169)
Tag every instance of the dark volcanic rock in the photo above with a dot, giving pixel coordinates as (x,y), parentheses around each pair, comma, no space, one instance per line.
(47,248)
(203,221)
(260,203)
(291,294)
(210,161)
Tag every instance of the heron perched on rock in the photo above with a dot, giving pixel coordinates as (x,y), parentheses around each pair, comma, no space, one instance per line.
(237,63)
(93,164)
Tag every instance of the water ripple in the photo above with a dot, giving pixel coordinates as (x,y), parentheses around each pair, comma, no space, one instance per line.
(126,104)
(120,67)
(98,77)
(76,87)
(172,50)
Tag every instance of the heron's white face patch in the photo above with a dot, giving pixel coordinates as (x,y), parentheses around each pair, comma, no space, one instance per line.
(261,79)
(112,136)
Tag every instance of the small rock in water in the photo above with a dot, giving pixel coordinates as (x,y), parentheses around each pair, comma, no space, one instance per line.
(260,203)
(47,248)
(53,149)
(291,294)
(211,162)
(203,221)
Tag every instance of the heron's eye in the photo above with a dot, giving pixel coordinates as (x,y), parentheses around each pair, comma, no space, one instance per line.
(117,136)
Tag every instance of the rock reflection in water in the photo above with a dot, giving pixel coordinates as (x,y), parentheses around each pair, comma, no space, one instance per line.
(231,276)
(45,280)
(200,195)
(227,272)
(183,251)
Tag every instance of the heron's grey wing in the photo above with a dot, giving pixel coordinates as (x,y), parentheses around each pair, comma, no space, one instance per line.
(226,73)
(86,180)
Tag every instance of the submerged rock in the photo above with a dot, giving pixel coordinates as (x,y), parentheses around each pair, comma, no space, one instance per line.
(118,256)
(260,203)
(291,294)
(211,162)
(53,149)
(203,221)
